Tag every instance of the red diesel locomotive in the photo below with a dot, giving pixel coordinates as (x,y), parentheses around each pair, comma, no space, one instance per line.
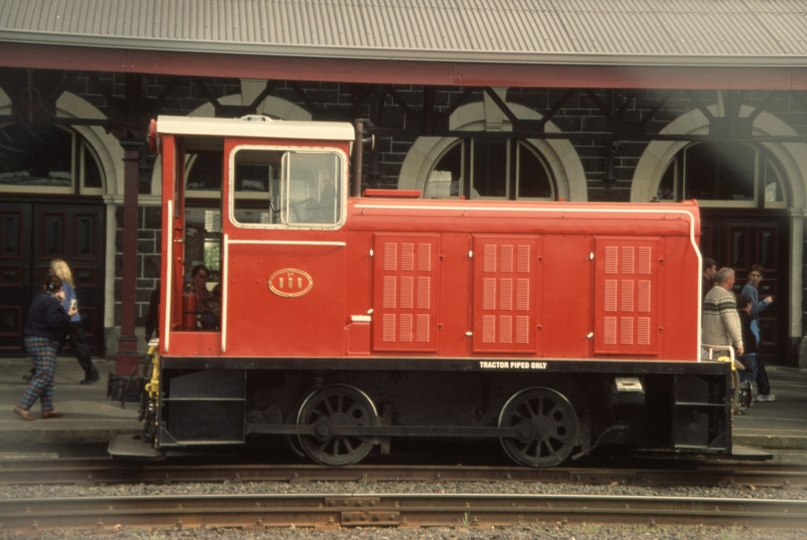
(350,321)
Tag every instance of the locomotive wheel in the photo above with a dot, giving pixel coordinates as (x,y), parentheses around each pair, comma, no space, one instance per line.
(547,427)
(337,405)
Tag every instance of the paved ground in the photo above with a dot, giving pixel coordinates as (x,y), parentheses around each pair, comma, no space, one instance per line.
(89,417)
(781,424)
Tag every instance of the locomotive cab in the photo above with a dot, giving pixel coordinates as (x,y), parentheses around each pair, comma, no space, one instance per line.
(348,322)
(280,192)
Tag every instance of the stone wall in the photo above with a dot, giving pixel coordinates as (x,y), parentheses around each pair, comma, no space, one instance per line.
(580,113)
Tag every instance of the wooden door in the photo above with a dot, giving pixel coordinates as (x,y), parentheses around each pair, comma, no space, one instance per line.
(16,285)
(738,239)
(33,234)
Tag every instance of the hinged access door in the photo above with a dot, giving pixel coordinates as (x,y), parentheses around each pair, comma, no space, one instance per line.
(626,282)
(405,286)
(506,293)
(284,249)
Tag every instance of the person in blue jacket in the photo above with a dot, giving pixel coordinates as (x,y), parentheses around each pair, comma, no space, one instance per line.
(76,332)
(757,305)
(45,326)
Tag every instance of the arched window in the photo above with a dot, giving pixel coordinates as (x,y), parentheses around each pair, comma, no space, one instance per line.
(40,158)
(497,169)
(724,174)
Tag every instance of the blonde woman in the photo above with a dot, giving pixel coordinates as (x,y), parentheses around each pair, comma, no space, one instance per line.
(78,342)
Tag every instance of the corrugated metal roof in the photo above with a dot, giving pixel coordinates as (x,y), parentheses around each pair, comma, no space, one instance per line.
(608,32)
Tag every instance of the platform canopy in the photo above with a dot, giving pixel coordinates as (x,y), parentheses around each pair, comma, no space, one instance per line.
(738,44)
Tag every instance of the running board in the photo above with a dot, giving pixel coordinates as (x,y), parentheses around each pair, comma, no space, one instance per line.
(132,445)
(739,451)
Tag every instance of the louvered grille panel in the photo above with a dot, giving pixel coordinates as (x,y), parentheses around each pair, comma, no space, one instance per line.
(503,276)
(423,333)
(506,294)
(645,298)
(523,261)
(407,292)
(406,328)
(643,331)
(610,295)
(626,332)
(388,327)
(490,258)
(645,261)
(404,301)
(628,253)
(609,334)
(424,257)
(627,295)
(489,293)
(522,329)
(424,293)
(488,329)
(611,258)
(390,257)
(505,329)
(506,264)
(407,257)
(620,297)
(522,294)
(390,287)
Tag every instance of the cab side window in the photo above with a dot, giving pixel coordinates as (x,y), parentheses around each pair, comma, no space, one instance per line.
(313,193)
(256,186)
(286,188)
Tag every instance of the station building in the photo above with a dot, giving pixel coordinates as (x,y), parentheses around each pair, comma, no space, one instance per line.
(579,100)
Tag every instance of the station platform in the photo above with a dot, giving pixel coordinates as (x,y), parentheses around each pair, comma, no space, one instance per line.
(780,424)
(90,418)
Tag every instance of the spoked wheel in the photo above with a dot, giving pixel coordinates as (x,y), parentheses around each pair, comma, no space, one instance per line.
(338,405)
(546,427)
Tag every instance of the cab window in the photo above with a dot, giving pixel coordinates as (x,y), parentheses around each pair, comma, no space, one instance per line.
(286,188)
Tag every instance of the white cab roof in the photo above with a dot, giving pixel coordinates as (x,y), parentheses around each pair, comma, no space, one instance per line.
(255,126)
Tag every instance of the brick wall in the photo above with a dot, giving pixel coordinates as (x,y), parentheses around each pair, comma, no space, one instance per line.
(382,166)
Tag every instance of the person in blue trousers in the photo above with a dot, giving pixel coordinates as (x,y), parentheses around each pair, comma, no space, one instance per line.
(757,305)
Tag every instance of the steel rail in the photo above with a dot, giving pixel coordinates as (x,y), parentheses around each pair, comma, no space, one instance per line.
(93,472)
(399,510)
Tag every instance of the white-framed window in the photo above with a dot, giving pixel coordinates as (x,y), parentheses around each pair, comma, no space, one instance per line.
(725,174)
(499,169)
(48,159)
(287,187)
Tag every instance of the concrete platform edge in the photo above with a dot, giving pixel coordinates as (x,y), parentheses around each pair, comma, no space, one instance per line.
(772,442)
(67,436)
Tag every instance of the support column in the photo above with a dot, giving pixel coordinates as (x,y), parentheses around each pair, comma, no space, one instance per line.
(798,272)
(127,359)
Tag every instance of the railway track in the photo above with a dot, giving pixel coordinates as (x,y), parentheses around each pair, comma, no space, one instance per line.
(391,510)
(104,471)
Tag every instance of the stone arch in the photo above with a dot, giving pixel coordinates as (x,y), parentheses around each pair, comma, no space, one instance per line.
(792,157)
(658,154)
(105,146)
(560,155)
(271,106)
(110,156)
